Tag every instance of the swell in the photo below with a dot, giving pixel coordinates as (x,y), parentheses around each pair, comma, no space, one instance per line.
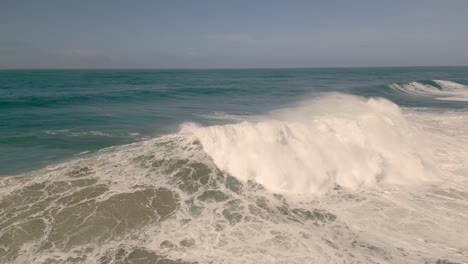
(127,96)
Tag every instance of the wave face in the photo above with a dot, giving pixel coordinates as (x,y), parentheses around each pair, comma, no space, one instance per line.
(247,192)
(332,141)
(440,89)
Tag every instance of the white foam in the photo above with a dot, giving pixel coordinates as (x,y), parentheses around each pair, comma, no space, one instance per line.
(54,132)
(416,88)
(82,153)
(449,91)
(335,140)
(453,98)
(223,116)
(448,85)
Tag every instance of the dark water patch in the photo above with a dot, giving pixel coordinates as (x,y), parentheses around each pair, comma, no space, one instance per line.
(80,172)
(233,184)
(372,249)
(445,261)
(213,196)
(233,211)
(191,177)
(166,244)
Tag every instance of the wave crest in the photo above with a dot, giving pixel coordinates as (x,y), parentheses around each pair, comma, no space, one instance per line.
(335,140)
(441,89)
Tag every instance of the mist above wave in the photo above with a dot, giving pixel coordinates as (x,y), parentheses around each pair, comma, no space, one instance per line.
(334,140)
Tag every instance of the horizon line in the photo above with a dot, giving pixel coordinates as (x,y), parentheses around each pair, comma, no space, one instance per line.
(241,68)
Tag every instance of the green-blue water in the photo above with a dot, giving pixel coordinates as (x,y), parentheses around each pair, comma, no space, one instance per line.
(51,115)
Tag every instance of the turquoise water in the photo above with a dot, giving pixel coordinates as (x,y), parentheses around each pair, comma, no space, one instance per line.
(51,115)
(351,165)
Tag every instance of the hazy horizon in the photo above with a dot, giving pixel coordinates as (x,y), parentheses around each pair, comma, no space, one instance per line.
(231,35)
(239,68)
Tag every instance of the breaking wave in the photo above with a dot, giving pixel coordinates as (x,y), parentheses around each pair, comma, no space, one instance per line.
(335,140)
(439,89)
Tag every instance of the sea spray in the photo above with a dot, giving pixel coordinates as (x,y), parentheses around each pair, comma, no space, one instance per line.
(335,140)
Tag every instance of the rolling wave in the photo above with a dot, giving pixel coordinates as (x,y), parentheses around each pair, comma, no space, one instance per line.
(335,140)
(439,89)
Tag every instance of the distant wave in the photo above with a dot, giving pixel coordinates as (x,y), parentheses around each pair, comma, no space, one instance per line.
(223,116)
(440,89)
(67,132)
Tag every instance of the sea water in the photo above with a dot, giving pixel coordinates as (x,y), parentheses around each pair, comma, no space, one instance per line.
(350,165)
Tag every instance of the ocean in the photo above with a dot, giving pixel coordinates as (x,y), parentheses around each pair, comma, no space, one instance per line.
(332,165)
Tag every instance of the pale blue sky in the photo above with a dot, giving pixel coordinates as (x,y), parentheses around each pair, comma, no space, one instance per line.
(232,34)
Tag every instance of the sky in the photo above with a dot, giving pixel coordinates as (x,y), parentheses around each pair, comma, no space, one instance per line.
(232,34)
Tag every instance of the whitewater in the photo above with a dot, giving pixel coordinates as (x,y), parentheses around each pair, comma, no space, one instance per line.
(336,177)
